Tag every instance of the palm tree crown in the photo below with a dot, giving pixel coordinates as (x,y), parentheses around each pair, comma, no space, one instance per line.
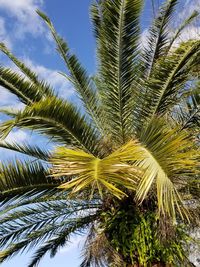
(123,169)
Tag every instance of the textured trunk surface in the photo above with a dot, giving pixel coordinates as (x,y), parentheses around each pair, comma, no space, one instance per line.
(153,265)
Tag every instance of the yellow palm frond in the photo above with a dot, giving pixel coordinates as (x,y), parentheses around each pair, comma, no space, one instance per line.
(144,169)
(108,173)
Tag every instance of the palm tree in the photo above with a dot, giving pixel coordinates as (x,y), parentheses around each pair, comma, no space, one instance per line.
(125,169)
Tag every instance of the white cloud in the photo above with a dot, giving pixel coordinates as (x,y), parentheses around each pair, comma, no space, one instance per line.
(186,8)
(26,19)
(9,100)
(193,30)
(60,83)
(3,33)
(6,98)
(17,136)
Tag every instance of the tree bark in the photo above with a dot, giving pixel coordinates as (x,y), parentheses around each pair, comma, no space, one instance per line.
(159,264)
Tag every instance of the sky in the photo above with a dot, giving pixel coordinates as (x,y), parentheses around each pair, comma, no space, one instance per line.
(26,35)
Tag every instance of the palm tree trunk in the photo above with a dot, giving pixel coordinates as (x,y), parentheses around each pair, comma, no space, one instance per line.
(158,264)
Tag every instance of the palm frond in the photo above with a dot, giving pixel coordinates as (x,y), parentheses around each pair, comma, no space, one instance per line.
(78,75)
(158,36)
(29,150)
(53,245)
(95,12)
(59,120)
(35,225)
(17,178)
(26,91)
(117,48)
(53,206)
(152,162)
(32,197)
(167,82)
(167,154)
(97,174)
(189,114)
(28,72)
(32,76)
(30,219)
(36,216)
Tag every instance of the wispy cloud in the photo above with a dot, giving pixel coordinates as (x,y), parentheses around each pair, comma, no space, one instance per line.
(9,100)
(185,10)
(190,33)
(60,83)
(17,136)
(3,33)
(6,98)
(187,7)
(25,19)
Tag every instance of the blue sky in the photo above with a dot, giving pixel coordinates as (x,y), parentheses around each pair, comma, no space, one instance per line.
(26,35)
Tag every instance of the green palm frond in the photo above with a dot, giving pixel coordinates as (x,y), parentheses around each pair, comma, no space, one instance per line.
(32,197)
(158,36)
(180,75)
(46,205)
(26,91)
(19,177)
(189,112)
(32,76)
(29,150)
(59,120)
(61,239)
(53,222)
(13,82)
(78,75)
(39,216)
(117,48)
(95,13)
(30,218)
(167,82)
(27,71)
